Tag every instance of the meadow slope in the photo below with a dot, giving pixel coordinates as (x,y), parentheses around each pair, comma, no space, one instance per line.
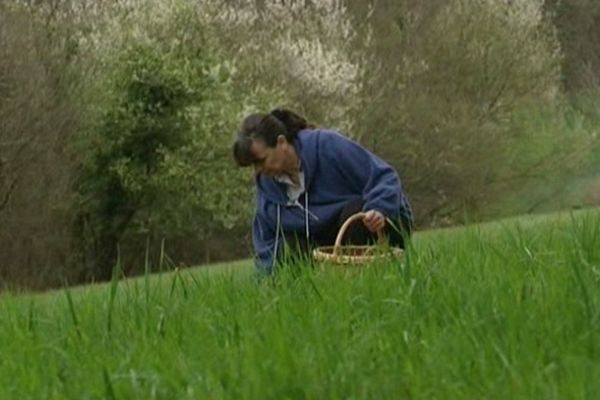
(505,310)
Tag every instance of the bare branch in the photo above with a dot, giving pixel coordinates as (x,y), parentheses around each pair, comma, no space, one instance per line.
(8,194)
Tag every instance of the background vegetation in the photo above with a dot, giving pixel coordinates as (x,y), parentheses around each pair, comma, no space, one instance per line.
(116,117)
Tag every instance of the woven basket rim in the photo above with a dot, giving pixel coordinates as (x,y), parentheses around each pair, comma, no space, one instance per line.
(325,253)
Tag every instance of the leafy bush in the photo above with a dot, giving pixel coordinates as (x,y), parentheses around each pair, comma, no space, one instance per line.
(156,160)
(458,72)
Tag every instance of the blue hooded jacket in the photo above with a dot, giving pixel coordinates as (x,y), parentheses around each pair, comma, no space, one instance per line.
(336,171)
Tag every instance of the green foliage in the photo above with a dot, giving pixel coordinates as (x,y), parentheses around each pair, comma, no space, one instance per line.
(455,74)
(156,160)
(506,310)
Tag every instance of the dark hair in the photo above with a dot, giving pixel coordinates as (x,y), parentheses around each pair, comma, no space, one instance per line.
(266,127)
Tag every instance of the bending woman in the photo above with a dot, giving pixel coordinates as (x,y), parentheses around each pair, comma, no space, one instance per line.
(309,181)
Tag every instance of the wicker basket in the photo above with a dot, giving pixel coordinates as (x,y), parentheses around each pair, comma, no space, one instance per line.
(353,254)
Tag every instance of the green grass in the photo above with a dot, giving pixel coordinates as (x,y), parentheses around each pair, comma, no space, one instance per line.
(506,310)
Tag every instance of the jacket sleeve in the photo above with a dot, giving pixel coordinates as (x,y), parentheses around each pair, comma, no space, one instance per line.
(266,244)
(377,181)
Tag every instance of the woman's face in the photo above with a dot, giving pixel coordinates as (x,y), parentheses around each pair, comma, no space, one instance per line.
(271,161)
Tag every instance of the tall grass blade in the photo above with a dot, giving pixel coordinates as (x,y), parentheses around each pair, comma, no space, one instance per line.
(72,312)
(31,318)
(108,387)
(114,285)
(147,273)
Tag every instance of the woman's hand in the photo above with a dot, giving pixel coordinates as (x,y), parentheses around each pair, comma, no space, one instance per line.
(374,220)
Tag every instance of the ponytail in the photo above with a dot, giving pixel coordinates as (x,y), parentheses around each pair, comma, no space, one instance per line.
(292,121)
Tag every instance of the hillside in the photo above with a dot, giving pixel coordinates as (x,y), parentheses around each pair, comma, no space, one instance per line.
(500,310)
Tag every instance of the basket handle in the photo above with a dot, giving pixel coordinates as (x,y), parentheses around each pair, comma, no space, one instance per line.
(345,225)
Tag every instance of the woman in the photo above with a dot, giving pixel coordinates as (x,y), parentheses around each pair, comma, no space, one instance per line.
(309,181)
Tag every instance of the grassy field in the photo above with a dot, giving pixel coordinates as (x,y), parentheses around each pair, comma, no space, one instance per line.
(506,310)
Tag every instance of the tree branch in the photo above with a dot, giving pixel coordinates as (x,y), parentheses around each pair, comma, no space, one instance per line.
(11,189)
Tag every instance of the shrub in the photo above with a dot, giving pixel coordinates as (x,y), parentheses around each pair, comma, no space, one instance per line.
(156,160)
(308,49)
(39,114)
(578,26)
(443,114)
